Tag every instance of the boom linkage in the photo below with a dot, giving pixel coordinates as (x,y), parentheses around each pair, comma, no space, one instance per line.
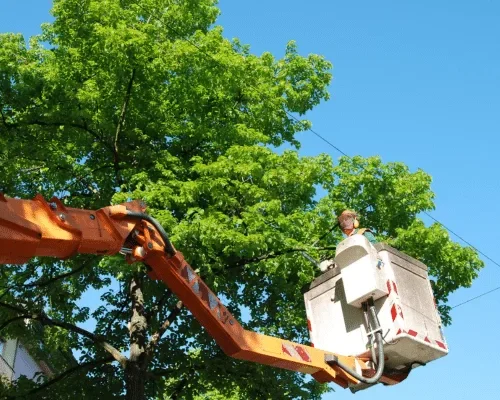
(31,228)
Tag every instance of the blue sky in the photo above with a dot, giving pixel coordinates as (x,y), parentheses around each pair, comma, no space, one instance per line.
(417,82)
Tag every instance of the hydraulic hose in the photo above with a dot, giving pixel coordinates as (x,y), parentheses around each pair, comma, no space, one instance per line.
(168,245)
(381,357)
(371,335)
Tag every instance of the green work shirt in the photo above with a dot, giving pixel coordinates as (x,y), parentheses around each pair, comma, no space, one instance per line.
(367,234)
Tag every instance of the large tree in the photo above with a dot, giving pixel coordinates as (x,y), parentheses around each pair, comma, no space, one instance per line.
(120,99)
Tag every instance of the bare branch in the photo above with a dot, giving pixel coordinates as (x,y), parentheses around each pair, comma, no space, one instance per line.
(45,320)
(88,365)
(155,338)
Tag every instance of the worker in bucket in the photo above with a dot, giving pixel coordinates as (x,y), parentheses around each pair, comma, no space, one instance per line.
(348,222)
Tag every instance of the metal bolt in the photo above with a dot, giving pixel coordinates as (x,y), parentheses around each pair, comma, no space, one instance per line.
(140,252)
(231,322)
(92,216)
(53,205)
(63,217)
(142,204)
(150,245)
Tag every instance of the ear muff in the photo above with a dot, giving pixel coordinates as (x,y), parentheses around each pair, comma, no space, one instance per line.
(356,223)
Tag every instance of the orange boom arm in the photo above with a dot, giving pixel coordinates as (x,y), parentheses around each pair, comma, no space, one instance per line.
(30,228)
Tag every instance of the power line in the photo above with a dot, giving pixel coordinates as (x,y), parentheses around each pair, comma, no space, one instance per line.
(317,134)
(461,238)
(474,298)
(216,62)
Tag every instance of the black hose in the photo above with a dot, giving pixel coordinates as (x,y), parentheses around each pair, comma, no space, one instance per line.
(168,245)
(330,359)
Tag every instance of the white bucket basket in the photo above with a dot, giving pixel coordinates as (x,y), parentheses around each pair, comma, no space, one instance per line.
(404,302)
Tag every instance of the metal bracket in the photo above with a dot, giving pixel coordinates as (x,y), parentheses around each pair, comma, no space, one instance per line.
(331,359)
(373,332)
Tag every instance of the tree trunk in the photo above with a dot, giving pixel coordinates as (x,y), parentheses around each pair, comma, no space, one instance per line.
(135,372)
(135,381)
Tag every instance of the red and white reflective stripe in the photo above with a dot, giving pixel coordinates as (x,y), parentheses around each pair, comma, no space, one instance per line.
(441,344)
(396,310)
(391,285)
(297,352)
(398,317)
(426,339)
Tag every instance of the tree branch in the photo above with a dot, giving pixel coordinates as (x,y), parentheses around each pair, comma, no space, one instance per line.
(57,123)
(124,303)
(9,321)
(83,127)
(179,388)
(155,338)
(119,126)
(46,282)
(161,302)
(80,179)
(159,373)
(272,255)
(88,365)
(45,320)
(30,270)
(4,120)
(31,169)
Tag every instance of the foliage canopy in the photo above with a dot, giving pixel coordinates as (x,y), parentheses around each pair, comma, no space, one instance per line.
(120,99)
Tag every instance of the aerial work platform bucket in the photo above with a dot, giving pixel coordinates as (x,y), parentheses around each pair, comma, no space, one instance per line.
(400,286)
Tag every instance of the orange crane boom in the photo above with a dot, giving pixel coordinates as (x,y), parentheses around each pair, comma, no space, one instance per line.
(30,228)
